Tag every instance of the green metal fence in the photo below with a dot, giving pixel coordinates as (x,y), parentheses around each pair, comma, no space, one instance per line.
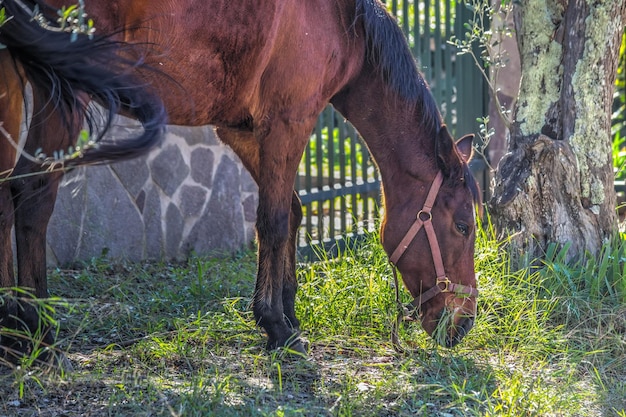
(337,181)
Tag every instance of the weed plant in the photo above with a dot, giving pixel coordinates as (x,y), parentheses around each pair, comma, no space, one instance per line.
(171,339)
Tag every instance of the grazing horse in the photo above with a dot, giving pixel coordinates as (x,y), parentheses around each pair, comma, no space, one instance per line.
(64,73)
(261,72)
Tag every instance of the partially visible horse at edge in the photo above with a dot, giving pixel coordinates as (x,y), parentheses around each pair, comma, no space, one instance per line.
(64,73)
(261,72)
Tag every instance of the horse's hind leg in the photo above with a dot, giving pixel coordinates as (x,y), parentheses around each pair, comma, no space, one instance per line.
(10,347)
(11,103)
(33,198)
(291,282)
(34,201)
(246,147)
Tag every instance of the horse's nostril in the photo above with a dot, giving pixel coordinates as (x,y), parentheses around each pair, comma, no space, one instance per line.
(467,323)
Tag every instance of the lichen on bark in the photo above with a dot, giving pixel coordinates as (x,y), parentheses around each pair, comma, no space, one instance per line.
(591,140)
(541,63)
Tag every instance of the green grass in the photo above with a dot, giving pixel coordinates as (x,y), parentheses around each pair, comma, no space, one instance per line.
(179,340)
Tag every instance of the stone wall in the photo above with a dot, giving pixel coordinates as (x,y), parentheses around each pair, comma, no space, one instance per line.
(191,195)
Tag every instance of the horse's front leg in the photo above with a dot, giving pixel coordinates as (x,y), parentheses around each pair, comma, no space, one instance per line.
(273,296)
(276,286)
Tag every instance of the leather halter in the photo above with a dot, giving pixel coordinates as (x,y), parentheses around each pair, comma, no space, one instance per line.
(424,219)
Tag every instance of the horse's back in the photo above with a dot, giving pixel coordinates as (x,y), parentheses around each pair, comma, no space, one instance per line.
(227,63)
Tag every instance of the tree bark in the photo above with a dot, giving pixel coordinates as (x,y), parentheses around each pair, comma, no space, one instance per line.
(555,184)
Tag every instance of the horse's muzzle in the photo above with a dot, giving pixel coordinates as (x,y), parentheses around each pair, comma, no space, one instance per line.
(458,330)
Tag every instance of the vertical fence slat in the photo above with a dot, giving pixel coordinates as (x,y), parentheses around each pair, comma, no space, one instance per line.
(426,57)
(405,17)
(330,124)
(415,30)
(343,178)
(448,53)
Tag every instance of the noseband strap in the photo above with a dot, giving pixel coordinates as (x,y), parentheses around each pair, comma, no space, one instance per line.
(424,220)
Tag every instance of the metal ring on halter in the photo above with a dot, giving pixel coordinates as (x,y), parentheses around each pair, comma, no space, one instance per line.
(427,213)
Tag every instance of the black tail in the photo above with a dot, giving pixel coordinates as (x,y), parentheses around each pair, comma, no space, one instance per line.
(64,67)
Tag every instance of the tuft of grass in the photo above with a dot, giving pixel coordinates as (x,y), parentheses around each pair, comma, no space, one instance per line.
(178,339)
(350,295)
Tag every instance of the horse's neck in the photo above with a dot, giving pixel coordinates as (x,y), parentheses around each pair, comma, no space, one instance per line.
(392,129)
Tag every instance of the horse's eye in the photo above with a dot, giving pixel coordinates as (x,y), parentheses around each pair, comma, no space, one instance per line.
(462,228)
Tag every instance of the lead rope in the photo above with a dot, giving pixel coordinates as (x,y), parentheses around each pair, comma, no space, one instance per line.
(395,339)
(403,314)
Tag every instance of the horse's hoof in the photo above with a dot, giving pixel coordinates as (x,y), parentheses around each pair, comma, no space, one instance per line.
(294,352)
(50,361)
(295,346)
(298,348)
(12,351)
(56,362)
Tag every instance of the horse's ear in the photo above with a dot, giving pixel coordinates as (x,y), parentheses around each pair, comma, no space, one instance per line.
(465,147)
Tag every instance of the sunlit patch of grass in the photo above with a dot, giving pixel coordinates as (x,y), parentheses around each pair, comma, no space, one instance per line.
(349,296)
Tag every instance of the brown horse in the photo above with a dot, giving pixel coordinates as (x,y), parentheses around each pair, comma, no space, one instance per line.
(262,72)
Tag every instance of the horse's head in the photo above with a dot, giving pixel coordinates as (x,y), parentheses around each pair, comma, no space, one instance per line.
(430,239)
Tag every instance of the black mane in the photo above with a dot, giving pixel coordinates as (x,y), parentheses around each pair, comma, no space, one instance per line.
(388,51)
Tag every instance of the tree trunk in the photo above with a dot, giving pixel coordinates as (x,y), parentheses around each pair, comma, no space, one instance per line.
(555,184)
